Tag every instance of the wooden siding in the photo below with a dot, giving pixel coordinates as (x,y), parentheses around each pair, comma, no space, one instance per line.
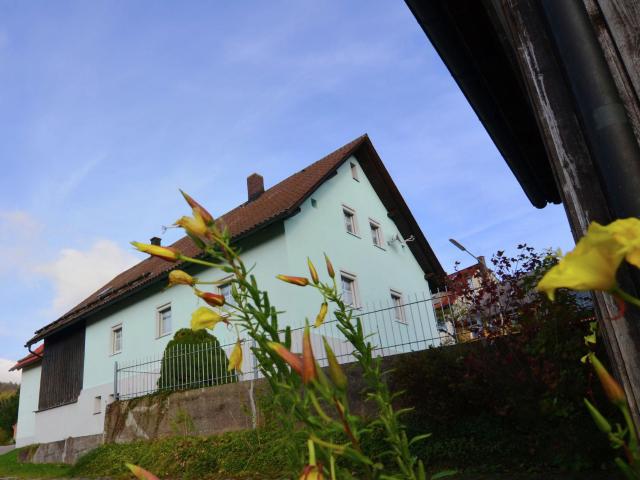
(62,368)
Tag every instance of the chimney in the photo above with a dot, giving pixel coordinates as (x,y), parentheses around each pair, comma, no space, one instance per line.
(155,241)
(255,186)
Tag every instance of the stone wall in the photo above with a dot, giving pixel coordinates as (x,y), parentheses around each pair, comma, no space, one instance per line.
(66,451)
(203,411)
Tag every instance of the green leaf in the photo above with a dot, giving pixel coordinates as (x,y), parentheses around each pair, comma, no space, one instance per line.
(419,438)
(444,473)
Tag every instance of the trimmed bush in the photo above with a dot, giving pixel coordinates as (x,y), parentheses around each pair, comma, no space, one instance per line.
(194,359)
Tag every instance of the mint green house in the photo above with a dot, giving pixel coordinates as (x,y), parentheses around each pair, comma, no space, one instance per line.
(345,204)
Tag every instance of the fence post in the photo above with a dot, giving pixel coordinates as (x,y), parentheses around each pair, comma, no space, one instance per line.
(115,381)
(252,400)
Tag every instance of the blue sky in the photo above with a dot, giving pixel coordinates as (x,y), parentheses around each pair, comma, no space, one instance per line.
(107,108)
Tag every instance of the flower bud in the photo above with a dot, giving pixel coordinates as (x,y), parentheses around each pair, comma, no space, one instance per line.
(194,226)
(308,360)
(179,277)
(601,422)
(294,360)
(313,272)
(140,472)
(235,359)
(336,373)
(212,299)
(330,269)
(300,281)
(611,387)
(204,317)
(198,210)
(166,253)
(321,314)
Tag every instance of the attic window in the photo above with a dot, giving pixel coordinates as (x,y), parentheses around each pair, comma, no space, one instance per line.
(354,171)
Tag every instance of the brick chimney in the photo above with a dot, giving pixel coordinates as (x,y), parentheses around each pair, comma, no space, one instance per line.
(255,186)
(155,241)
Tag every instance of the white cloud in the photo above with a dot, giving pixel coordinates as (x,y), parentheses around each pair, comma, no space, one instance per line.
(76,274)
(19,232)
(5,374)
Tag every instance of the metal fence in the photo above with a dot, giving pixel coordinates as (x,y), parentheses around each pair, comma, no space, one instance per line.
(392,328)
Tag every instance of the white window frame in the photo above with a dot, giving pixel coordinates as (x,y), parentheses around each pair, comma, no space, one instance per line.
(159,310)
(97,404)
(354,285)
(348,211)
(379,235)
(226,282)
(354,171)
(399,314)
(112,339)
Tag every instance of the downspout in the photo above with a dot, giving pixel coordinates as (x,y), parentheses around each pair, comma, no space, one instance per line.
(611,138)
(32,352)
(611,141)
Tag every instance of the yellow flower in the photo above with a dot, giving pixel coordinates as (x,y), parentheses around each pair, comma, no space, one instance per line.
(235,360)
(194,226)
(592,265)
(166,253)
(179,277)
(204,317)
(627,233)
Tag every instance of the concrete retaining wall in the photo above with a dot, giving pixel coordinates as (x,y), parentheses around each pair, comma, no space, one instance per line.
(204,411)
(66,451)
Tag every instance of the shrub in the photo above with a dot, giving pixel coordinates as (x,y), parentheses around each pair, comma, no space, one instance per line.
(194,359)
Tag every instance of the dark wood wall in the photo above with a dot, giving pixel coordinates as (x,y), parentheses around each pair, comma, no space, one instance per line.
(62,368)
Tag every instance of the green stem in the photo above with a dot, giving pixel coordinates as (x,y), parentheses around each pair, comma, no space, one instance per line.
(198,261)
(618,292)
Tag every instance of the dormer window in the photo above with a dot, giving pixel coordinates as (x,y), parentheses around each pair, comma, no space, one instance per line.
(350,220)
(354,171)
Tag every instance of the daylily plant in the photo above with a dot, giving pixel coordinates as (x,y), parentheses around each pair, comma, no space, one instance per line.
(593,265)
(307,397)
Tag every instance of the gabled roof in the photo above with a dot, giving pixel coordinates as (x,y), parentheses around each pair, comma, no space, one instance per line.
(278,202)
(30,359)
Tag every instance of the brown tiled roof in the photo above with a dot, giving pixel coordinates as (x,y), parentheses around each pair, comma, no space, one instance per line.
(278,202)
(30,359)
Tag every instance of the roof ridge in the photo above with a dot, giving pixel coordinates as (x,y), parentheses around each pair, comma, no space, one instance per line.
(113,294)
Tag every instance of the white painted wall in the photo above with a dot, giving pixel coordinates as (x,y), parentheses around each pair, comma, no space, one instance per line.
(29,391)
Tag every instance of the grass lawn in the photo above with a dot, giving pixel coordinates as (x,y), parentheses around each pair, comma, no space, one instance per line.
(10,466)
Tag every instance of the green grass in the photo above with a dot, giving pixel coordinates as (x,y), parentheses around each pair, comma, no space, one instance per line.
(257,454)
(10,466)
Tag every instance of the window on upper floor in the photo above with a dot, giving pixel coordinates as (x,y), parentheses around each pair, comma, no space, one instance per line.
(350,222)
(349,289)
(226,291)
(163,321)
(354,171)
(376,233)
(398,306)
(116,339)
(97,404)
